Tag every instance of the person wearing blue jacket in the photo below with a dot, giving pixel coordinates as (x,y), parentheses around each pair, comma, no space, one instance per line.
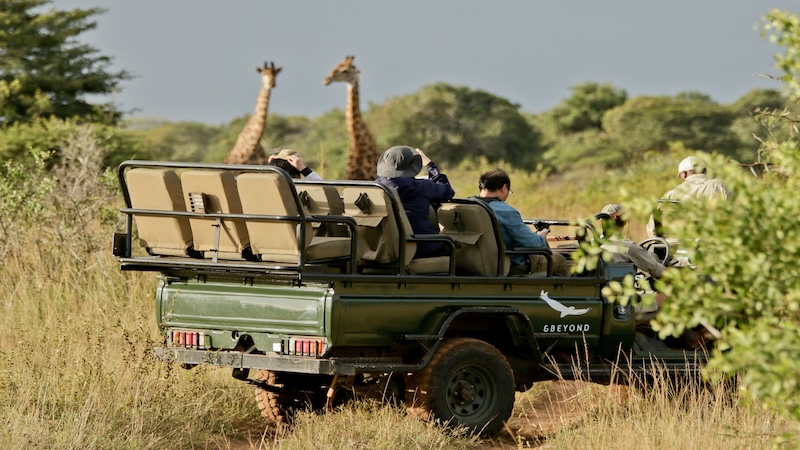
(398,167)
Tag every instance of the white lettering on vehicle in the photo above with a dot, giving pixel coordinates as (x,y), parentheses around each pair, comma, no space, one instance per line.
(566,328)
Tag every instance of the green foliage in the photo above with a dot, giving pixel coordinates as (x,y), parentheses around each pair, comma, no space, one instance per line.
(24,190)
(455,124)
(176,141)
(45,71)
(748,281)
(759,99)
(651,123)
(585,108)
(586,148)
(326,144)
(783,28)
(751,125)
(21,142)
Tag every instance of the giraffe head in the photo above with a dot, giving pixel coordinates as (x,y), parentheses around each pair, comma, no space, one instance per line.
(345,71)
(268,73)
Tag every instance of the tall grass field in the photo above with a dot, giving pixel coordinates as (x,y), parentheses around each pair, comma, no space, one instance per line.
(76,333)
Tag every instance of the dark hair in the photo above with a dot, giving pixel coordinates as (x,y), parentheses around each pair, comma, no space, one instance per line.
(286,166)
(494,180)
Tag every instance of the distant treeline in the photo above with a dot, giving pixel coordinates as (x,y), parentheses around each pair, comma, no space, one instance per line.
(598,125)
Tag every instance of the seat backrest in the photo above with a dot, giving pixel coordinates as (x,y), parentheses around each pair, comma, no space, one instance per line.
(160,190)
(322,200)
(272,194)
(480,249)
(378,230)
(218,188)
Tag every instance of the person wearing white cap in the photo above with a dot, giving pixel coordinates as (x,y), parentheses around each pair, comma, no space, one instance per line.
(291,161)
(696,185)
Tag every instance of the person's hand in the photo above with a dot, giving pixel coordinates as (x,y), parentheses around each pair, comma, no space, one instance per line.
(271,158)
(425,159)
(296,162)
(544,232)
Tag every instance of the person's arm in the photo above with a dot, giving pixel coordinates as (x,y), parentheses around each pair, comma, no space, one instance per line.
(440,190)
(311,175)
(644,260)
(518,230)
(297,163)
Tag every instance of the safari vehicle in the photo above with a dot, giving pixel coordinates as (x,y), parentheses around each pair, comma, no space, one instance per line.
(310,292)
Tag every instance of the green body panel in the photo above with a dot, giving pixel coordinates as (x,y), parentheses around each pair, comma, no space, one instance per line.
(263,311)
(377,313)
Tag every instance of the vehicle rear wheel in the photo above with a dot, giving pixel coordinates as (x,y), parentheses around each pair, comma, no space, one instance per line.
(298,392)
(467,383)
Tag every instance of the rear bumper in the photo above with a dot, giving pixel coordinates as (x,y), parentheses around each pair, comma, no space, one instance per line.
(239,360)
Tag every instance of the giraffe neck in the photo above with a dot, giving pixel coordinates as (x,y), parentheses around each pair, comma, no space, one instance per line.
(361,164)
(247,149)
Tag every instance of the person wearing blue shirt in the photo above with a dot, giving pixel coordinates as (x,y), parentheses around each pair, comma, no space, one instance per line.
(398,167)
(495,186)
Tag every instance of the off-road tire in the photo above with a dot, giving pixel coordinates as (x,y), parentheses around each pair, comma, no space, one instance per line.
(302,392)
(467,383)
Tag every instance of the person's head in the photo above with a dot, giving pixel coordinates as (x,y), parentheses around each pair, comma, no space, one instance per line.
(400,161)
(281,160)
(614,212)
(690,166)
(495,183)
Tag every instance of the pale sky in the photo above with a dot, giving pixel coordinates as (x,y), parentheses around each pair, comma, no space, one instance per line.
(195,60)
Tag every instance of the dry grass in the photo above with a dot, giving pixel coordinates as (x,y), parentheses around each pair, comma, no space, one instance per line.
(76,370)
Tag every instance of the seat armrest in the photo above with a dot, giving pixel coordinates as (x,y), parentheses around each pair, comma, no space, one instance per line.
(448,241)
(351,225)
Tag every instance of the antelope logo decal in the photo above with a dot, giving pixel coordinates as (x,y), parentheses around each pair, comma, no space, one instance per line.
(564,310)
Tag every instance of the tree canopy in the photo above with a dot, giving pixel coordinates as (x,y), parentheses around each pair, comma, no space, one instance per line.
(651,123)
(459,123)
(584,109)
(45,71)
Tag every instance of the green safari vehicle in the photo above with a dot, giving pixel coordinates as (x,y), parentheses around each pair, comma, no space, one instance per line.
(310,292)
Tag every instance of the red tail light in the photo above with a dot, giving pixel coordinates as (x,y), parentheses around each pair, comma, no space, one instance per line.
(313,347)
(188,338)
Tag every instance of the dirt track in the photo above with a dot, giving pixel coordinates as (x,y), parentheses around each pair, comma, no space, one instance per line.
(548,409)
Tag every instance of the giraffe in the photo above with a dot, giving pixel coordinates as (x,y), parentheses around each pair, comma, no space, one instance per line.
(363,158)
(247,149)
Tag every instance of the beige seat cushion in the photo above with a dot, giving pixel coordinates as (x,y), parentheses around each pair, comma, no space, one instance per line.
(159,189)
(219,186)
(378,233)
(478,247)
(321,200)
(383,226)
(272,194)
(433,264)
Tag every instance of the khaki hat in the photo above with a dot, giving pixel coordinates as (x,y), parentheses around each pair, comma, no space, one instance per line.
(611,209)
(287,152)
(399,161)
